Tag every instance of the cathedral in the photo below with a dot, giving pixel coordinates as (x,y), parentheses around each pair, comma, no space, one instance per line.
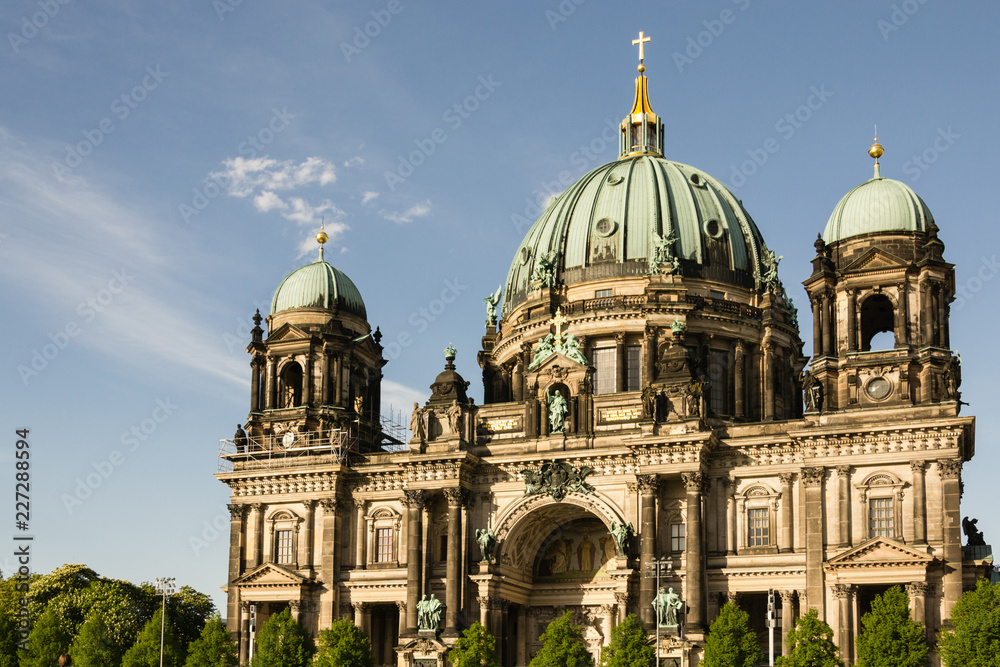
(649,422)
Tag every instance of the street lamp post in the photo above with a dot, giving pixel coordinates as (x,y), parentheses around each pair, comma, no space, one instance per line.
(658,564)
(165,587)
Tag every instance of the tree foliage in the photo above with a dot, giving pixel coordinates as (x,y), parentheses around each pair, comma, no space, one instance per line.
(475,648)
(343,643)
(629,645)
(975,639)
(93,646)
(214,648)
(48,640)
(562,645)
(9,636)
(282,642)
(146,650)
(730,642)
(889,637)
(810,644)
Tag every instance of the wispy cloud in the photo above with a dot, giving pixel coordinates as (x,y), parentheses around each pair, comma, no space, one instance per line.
(247,176)
(410,214)
(355,161)
(368,197)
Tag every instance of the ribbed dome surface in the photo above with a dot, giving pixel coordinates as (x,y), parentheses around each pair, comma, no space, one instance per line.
(878,205)
(608,223)
(318,285)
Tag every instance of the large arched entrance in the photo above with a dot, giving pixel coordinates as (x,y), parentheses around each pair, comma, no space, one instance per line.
(554,557)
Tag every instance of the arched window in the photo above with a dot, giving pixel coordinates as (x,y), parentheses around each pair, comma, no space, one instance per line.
(881,497)
(284,536)
(877,316)
(291,386)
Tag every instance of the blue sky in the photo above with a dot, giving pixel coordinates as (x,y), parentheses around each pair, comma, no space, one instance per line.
(164,165)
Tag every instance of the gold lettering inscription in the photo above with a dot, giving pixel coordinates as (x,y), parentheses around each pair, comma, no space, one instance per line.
(621,414)
(502,424)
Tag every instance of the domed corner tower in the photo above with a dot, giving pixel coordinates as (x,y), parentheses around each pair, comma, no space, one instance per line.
(879,270)
(317,376)
(646,275)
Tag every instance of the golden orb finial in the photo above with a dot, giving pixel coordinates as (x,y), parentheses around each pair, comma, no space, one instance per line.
(322,238)
(642,68)
(876,151)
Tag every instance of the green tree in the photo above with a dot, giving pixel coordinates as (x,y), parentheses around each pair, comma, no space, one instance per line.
(810,644)
(10,602)
(189,610)
(889,637)
(475,648)
(629,645)
(343,643)
(730,642)
(146,650)
(215,647)
(562,645)
(49,639)
(93,646)
(282,642)
(974,640)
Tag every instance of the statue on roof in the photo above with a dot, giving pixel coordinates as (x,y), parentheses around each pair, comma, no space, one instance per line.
(663,254)
(491,307)
(546,348)
(570,347)
(545,269)
(770,277)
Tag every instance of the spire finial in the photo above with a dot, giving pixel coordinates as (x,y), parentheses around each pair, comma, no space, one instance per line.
(642,54)
(322,238)
(876,151)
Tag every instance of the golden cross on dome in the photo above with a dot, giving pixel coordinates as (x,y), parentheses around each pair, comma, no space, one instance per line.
(558,321)
(641,41)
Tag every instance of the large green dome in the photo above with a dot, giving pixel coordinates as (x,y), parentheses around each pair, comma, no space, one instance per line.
(318,285)
(878,205)
(609,222)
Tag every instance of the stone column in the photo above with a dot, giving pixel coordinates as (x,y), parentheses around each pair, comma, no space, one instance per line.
(522,635)
(694,484)
(843,522)
(272,383)
(951,581)
(843,637)
(359,533)
(484,611)
(787,617)
(768,349)
(307,381)
(620,361)
(919,591)
(359,616)
(825,312)
(740,379)
(255,549)
(306,542)
(454,497)
(919,502)
(852,320)
(925,311)
(649,354)
(787,545)
(327,571)
(401,607)
(255,384)
(237,514)
(607,622)
(337,379)
(414,501)
(831,324)
(817,325)
(904,314)
(648,486)
(942,316)
(812,480)
(296,610)
(244,621)
(731,517)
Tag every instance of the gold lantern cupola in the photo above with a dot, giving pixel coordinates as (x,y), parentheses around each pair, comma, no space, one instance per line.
(642,130)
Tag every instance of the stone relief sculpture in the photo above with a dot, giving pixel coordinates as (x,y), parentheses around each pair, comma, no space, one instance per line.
(557,479)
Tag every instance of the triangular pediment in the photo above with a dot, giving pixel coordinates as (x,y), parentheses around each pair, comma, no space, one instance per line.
(880,551)
(269,575)
(287,332)
(557,359)
(874,259)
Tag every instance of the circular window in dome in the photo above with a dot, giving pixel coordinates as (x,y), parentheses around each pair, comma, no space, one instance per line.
(525,254)
(713,228)
(878,388)
(614,179)
(697,180)
(606,227)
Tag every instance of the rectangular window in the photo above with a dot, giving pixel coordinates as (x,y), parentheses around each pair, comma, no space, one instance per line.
(677,537)
(283,546)
(634,368)
(383,545)
(605,370)
(881,518)
(603,293)
(760,527)
(718,376)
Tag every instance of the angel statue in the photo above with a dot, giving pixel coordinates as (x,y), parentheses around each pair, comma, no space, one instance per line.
(491,307)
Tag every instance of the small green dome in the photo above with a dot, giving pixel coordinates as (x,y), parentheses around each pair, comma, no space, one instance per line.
(318,285)
(878,205)
(609,222)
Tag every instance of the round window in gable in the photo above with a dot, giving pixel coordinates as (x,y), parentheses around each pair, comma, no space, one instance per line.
(606,227)
(713,228)
(878,388)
